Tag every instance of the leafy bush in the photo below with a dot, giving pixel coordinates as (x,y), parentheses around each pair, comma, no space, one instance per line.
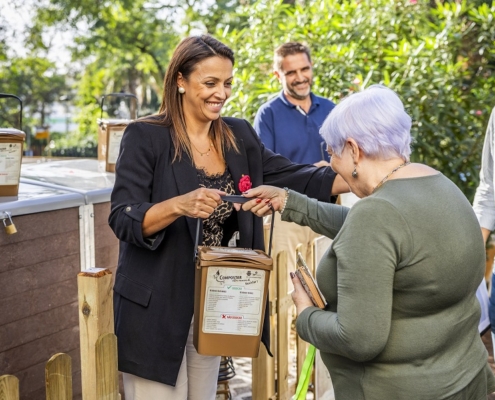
(440,60)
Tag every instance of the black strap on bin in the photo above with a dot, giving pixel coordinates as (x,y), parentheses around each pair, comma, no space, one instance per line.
(199,227)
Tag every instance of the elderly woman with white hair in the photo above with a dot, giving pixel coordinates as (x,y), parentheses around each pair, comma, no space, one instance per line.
(401,275)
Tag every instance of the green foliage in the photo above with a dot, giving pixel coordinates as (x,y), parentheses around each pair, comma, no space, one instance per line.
(132,40)
(438,56)
(76,144)
(440,60)
(124,47)
(219,15)
(35,78)
(36,81)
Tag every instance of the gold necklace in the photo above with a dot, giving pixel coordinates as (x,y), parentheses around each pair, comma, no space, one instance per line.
(207,152)
(389,174)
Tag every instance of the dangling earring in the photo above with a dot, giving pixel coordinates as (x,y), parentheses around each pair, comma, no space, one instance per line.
(355,173)
(181,90)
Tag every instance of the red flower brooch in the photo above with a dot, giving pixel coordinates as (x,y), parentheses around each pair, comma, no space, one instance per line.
(245,183)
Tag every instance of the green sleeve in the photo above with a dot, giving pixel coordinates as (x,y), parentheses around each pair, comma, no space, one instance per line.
(323,218)
(372,243)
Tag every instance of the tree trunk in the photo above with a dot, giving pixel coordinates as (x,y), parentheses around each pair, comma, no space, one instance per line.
(134,82)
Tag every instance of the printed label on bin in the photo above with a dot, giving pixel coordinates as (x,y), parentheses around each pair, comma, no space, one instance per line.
(10,163)
(234,301)
(114,139)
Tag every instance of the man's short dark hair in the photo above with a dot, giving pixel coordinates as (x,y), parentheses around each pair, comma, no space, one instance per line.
(288,49)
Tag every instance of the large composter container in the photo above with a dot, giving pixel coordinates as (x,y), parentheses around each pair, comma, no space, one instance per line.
(110,130)
(11,146)
(230,297)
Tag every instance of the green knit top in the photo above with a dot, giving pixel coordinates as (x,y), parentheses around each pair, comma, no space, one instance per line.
(400,279)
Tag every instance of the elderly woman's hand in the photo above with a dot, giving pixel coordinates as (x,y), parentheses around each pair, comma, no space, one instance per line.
(299,295)
(265,200)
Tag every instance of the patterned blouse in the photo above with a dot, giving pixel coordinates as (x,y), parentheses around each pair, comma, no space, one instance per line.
(212,226)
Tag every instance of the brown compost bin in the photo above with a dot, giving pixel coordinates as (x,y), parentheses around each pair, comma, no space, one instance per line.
(11,145)
(231,289)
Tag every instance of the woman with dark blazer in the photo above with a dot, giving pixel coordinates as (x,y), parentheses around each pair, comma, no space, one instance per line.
(172,169)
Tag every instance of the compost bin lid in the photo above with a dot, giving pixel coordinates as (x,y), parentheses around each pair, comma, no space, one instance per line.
(19,135)
(34,198)
(114,121)
(76,175)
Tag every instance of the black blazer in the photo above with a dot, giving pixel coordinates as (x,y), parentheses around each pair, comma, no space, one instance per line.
(154,283)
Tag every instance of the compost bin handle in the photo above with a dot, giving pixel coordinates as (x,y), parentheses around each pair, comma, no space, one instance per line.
(5,95)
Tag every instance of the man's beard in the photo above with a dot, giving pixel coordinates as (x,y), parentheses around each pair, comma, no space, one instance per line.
(297,96)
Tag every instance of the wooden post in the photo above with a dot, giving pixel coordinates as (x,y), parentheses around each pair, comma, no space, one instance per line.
(107,379)
(263,367)
(9,387)
(95,320)
(58,377)
(284,304)
(302,346)
(263,375)
(323,387)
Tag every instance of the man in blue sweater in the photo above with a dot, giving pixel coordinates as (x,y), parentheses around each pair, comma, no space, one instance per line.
(289,124)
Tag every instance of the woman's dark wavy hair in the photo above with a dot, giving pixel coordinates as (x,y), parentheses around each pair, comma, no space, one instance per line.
(187,55)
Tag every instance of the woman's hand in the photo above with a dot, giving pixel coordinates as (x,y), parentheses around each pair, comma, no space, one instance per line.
(266,200)
(299,295)
(200,203)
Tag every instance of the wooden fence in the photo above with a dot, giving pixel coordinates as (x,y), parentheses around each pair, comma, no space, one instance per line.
(98,347)
(98,344)
(271,375)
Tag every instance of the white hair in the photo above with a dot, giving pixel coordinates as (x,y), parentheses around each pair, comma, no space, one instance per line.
(375,118)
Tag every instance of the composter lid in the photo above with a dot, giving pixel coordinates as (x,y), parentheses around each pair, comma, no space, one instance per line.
(33,198)
(114,121)
(75,175)
(234,256)
(12,133)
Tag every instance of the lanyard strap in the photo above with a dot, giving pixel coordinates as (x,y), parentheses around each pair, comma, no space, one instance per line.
(199,227)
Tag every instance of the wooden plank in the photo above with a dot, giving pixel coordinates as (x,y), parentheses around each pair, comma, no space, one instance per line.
(31,277)
(302,346)
(37,250)
(25,305)
(32,379)
(263,367)
(39,394)
(263,375)
(101,211)
(95,319)
(107,257)
(323,387)
(104,236)
(284,303)
(38,326)
(38,351)
(9,387)
(31,226)
(107,378)
(58,377)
